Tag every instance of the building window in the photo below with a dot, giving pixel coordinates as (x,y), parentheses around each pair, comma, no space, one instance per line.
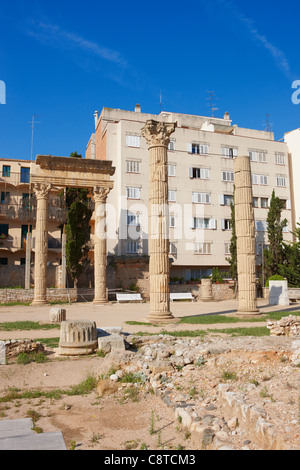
(5,196)
(3,261)
(225,224)
(203,223)
(171,170)
(132,166)
(25,174)
(172,221)
(172,196)
(261,225)
(172,249)
(6,171)
(133,193)
(260,179)
(281,181)
(227,248)
(202,248)
(171,145)
(228,176)
(255,202)
(258,156)
(133,219)
(4,230)
(264,202)
(22,261)
(133,140)
(229,152)
(201,198)
(199,173)
(279,158)
(198,149)
(132,246)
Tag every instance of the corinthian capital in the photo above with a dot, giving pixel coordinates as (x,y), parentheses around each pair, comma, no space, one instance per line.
(100,194)
(158,133)
(42,190)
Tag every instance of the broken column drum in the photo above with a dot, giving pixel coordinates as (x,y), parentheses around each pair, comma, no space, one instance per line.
(245,232)
(77,337)
(157,135)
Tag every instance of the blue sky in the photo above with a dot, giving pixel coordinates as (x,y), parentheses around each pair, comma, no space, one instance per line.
(62,60)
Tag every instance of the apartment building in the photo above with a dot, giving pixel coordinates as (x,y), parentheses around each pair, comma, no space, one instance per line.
(18,215)
(201,185)
(292,140)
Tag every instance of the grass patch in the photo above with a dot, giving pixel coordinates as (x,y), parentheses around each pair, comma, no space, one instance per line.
(25,358)
(13,304)
(212,319)
(84,388)
(131,322)
(255,331)
(27,325)
(49,342)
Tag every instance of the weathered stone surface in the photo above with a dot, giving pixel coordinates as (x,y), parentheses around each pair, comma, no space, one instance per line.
(2,353)
(111,342)
(57,315)
(106,387)
(77,337)
(278,293)
(16,347)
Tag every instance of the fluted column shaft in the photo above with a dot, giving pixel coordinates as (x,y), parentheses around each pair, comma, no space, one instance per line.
(41,244)
(245,232)
(100,246)
(157,135)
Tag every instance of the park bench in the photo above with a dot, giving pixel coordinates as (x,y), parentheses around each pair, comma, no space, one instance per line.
(294,294)
(181,296)
(128,297)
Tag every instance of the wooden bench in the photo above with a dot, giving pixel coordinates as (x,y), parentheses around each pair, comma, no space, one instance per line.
(128,297)
(181,296)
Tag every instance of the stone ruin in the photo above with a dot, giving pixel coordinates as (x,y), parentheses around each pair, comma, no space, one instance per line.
(286,326)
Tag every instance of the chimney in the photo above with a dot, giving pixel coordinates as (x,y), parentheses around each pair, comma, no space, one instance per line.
(137,108)
(226,116)
(96,119)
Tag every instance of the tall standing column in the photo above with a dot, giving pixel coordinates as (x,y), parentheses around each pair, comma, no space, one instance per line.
(41,244)
(245,232)
(100,246)
(157,135)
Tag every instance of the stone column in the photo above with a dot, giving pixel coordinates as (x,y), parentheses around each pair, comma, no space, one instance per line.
(41,244)
(157,135)
(100,246)
(245,232)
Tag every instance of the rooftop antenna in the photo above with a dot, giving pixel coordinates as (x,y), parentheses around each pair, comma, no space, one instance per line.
(211,103)
(160,101)
(269,126)
(33,123)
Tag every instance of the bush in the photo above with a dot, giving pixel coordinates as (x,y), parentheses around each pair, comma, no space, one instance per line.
(276,277)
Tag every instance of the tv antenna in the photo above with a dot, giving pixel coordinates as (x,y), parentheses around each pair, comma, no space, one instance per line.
(211,103)
(33,123)
(269,126)
(160,101)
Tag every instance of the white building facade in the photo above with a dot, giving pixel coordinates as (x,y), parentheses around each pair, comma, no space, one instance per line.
(201,185)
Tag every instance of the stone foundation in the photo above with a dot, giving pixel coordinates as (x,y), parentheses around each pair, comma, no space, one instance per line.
(286,326)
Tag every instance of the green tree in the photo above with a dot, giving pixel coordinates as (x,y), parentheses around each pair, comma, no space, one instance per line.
(291,264)
(77,227)
(274,254)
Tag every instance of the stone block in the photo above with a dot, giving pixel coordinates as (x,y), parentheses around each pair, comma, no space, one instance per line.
(57,314)
(2,353)
(111,342)
(278,293)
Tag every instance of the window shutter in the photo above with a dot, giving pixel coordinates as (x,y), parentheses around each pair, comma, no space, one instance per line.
(288,204)
(191,172)
(221,199)
(222,224)
(189,147)
(213,224)
(192,222)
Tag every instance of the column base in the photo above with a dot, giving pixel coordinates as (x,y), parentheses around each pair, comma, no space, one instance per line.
(248,313)
(166,317)
(36,303)
(99,302)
